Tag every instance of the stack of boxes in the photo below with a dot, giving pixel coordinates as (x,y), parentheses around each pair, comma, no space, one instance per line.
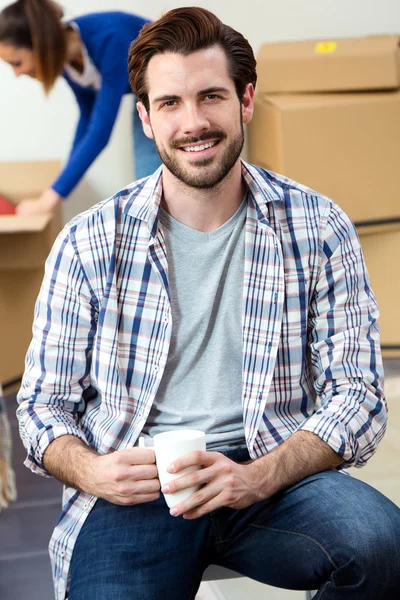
(327,114)
(25,242)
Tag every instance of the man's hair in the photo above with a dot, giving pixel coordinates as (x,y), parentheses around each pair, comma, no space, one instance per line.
(184,31)
(36,25)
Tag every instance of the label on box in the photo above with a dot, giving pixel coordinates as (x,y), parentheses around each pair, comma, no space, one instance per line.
(325,47)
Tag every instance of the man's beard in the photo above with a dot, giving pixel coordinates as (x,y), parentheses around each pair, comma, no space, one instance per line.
(197,175)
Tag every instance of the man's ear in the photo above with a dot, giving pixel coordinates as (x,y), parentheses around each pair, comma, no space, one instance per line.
(144,117)
(248,103)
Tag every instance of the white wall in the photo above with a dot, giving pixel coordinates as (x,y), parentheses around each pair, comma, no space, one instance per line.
(33,127)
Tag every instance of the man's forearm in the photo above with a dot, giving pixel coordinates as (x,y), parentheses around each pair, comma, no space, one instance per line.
(300,456)
(69,460)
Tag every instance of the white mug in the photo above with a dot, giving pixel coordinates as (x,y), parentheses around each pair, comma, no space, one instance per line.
(169,446)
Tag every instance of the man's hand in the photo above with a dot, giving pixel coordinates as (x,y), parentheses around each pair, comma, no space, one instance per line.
(225,483)
(46,203)
(122,477)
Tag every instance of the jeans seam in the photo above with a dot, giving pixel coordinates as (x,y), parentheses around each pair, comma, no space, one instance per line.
(324,588)
(304,535)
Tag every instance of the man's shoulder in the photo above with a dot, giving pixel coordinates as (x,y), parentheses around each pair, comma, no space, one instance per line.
(104,216)
(288,190)
(296,208)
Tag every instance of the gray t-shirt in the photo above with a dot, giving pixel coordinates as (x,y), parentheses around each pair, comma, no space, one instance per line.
(202,383)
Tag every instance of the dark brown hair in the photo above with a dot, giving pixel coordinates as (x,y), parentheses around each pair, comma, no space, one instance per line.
(183,31)
(36,25)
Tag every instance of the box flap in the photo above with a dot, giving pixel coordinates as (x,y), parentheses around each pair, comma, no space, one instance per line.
(26,179)
(367,63)
(24,223)
(25,240)
(297,102)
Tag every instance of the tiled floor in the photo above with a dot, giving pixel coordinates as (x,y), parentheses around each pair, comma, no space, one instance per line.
(26,526)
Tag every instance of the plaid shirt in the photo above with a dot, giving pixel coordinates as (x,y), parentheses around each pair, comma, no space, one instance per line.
(311,356)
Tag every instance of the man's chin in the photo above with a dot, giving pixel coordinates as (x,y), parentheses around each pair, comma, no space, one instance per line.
(201,178)
(201,162)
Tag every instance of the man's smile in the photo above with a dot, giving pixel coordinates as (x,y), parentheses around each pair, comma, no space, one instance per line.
(200,147)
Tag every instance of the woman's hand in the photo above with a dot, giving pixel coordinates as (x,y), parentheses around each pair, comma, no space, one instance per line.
(46,203)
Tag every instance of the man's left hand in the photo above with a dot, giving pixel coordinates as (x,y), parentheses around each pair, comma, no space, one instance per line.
(224,483)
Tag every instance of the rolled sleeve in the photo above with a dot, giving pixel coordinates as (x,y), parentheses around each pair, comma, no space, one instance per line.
(57,367)
(351,412)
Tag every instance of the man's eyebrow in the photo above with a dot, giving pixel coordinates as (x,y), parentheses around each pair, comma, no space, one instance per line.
(166,98)
(210,90)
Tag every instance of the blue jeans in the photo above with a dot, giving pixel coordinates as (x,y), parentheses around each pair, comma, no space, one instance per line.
(330,532)
(145,155)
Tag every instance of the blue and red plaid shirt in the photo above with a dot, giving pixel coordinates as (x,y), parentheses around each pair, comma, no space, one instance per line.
(102,329)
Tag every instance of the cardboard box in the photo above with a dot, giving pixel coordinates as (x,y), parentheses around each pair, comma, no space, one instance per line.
(346,146)
(25,243)
(381,248)
(347,64)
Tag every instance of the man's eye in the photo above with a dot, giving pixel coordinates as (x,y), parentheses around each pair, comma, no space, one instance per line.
(168,103)
(210,97)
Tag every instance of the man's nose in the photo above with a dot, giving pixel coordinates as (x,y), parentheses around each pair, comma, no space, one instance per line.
(194,120)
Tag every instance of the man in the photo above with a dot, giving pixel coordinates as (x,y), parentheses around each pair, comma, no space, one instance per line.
(217,296)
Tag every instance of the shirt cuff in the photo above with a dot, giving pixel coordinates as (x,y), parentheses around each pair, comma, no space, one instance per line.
(34,462)
(336,434)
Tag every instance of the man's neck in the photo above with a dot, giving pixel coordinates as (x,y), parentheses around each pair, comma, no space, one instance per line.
(203,209)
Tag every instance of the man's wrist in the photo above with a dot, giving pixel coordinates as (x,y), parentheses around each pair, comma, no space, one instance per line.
(299,457)
(71,461)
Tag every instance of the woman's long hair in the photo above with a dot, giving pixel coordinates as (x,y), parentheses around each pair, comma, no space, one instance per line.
(37,26)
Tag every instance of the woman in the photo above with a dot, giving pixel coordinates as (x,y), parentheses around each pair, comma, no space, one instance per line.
(91,53)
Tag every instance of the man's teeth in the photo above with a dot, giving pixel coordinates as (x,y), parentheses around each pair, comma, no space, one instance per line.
(199,148)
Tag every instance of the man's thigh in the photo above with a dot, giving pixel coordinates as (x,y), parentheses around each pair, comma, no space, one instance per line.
(330,532)
(138,552)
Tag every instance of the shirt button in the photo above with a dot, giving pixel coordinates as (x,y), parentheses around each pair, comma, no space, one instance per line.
(62,553)
(156,369)
(86,506)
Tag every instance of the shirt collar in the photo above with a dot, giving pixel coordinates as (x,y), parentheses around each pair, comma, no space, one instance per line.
(145,198)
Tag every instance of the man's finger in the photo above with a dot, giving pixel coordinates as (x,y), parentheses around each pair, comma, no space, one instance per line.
(128,489)
(135,499)
(199,502)
(190,480)
(196,458)
(203,509)
(136,456)
(138,472)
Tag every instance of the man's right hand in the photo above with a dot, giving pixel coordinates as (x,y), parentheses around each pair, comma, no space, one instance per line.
(122,477)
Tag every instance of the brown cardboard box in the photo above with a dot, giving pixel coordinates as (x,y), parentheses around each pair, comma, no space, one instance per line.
(346,146)
(347,64)
(381,248)
(25,243)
